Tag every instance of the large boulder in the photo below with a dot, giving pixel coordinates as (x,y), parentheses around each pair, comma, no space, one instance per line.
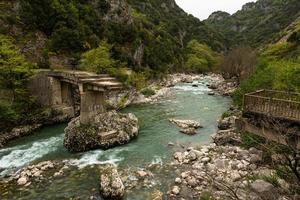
(111,185)
(226,137)
(264,189)
(107,130)
(184,124)
(226,123)
(188,127)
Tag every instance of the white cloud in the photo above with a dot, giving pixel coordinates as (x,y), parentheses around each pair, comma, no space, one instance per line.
(203,8)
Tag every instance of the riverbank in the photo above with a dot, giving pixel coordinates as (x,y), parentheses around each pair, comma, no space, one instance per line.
(124,99)
(46,118)
(234,166)
(161,88)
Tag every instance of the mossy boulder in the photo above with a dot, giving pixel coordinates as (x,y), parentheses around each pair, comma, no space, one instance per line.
(107,130)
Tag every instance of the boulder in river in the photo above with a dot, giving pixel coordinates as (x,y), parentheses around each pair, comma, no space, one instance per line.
(188,131)
(107,130)
(111,185)
(184,124)
(188,127)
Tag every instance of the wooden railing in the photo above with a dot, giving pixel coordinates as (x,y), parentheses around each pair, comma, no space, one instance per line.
(277,104)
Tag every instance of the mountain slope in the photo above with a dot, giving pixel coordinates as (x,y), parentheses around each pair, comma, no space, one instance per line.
(144,35)
(257,23)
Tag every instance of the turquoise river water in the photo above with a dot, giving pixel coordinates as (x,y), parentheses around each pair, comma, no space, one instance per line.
(184,102)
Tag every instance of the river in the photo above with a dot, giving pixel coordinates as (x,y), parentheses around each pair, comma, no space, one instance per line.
(184,102)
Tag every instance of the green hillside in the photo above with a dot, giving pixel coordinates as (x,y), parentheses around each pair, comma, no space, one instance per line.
(256,23)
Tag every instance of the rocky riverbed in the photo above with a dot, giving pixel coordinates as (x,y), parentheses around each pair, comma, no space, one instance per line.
(162,87)
(117,100)
(151,178)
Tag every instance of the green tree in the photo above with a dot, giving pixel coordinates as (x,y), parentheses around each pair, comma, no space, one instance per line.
(200,57)
(98,60)
(15,71)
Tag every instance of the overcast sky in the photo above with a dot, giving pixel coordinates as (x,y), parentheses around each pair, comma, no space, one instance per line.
(203,8)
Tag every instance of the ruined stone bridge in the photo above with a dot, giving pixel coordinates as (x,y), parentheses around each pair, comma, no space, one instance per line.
(73,91)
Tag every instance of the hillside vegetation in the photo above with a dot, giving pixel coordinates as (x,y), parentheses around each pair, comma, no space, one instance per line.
(259,44)
(257,24)
(144,35)
(279,65)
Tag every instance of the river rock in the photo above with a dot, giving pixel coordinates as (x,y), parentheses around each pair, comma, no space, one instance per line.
(23,180)
(184,124)
(18,132)
(178,180)
(156,195)
(226,123)
(142,173)
(188,131)
(175,190)
(264,189)
(111,185)
(226,137)
(107,130)
(187,79)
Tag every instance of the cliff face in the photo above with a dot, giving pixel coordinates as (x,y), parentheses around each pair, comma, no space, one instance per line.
(256,23)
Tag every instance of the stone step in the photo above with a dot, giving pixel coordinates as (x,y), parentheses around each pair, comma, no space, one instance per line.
(89,80)
(115,88)
(107,83)
(82,76)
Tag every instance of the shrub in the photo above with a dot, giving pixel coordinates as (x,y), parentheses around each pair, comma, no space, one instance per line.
(250,140)
(227,114)
(200,57)
(147,92)
(7,115)
(98,60)
(278,75)
(278,50)
(206,196)
(15,71)
(138,80)
(239,63)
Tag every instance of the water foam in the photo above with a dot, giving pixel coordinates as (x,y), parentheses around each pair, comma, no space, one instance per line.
(24,154)
(157,161)
(201,89)
(94,158)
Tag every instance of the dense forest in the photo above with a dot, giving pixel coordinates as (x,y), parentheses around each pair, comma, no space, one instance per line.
(150,38)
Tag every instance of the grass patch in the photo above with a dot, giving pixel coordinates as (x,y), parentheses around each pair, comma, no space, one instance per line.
(227,114)
(273,179)
(206,196)
(250,140)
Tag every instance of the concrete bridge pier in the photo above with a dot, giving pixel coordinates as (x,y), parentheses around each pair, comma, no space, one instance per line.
(61,95)
(55,91)
(91,103)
